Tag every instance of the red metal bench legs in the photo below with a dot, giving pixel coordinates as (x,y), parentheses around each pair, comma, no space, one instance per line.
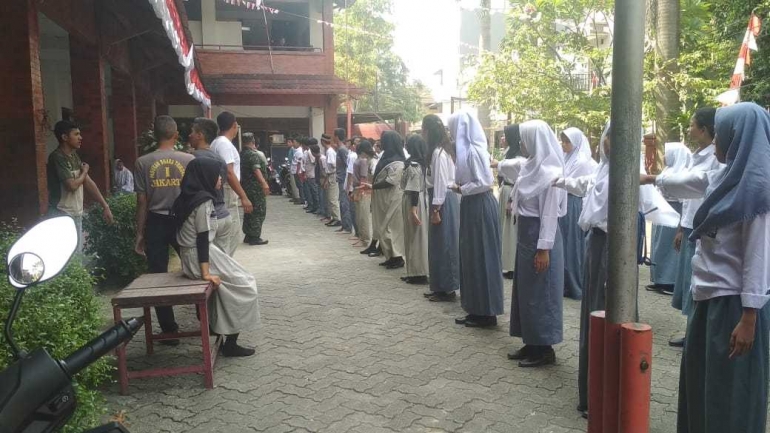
(148,330)
(121,352)
(208,356)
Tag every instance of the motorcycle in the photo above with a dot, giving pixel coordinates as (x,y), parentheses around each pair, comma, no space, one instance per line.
(284,176)
(273,179)
(36,392)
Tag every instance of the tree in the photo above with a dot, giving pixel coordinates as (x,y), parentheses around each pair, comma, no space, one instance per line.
(667,39)
(485,24)
(547,64)
(364,56)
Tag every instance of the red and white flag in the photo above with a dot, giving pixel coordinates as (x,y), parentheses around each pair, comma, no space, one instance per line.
(749,44)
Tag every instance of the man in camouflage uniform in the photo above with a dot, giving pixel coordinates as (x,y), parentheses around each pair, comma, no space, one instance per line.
(254,182)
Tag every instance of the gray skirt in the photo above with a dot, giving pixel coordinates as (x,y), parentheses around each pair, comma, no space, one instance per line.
(595,284)
(481,270)
(718,394)
(574,248)
(443,246)
(682,299)
(536,303)
(664,256)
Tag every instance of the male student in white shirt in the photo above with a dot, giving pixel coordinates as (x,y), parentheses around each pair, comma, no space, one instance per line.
(224,147)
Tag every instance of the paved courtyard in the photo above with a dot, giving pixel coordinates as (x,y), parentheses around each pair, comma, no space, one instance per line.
(345,346)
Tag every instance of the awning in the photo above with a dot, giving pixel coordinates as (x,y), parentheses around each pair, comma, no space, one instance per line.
(266,84)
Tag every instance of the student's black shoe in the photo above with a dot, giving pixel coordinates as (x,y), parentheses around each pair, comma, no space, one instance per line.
(234,350)
(508,275)
(442,297)
(481,322)
(367,251)
(583,411)
(463,320)
(540,358)
(520,354)
(667,290)
(335,224)
(398,262)
(376,253)
(386,262)
(422,279)
(676,342)
(258,241)
(247,240)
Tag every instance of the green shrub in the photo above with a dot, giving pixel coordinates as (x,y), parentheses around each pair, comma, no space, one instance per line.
(59,315)
(112,245)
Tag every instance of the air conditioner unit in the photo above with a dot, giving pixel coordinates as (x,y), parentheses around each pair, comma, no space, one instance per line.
(277,139)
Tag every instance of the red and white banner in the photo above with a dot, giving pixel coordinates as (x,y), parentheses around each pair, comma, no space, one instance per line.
(749,44)
(168,14)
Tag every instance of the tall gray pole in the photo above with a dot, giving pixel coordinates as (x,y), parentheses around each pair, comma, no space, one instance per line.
(626,138)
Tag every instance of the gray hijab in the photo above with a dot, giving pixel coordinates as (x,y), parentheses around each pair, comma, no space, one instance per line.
(742,190)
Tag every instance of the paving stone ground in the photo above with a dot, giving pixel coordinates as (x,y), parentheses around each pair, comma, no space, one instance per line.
(345,346)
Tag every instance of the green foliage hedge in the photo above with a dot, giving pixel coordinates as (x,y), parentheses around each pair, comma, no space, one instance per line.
(59,315)
(112,245)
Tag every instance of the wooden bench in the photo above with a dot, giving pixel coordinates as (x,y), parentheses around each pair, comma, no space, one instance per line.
(159,290)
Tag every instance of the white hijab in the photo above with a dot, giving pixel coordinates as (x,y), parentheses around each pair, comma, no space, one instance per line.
(545,162)
(596,204)
(578,162)
(471,149)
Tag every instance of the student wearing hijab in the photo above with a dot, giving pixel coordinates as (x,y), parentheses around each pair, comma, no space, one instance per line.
(415,211)
(577,163)
(507,220)
(233,307)
(481,273)
(362,192)
(444,230)
(593,219)
(703,161)
(538,289)
(724,378)
(387,200)
(664,257)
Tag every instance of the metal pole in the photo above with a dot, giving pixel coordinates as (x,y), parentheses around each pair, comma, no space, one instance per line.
(627,68)
(625,137)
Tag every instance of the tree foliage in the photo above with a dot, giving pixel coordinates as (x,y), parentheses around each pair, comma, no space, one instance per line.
(364,56)
(531,76)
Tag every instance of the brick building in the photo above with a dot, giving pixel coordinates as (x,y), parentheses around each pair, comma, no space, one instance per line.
(112,65)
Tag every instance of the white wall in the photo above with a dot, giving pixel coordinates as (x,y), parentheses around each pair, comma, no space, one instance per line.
(263,112)
(317,124)
(213,32)
(196,29)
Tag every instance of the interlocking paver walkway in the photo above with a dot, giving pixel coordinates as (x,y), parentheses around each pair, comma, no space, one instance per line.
(345,346)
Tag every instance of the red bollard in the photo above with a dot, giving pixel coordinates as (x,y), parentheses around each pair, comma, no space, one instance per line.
(635,377)
(611,377)
(595,372)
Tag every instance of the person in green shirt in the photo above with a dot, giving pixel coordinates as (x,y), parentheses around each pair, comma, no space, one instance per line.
(68,177)
(254,182)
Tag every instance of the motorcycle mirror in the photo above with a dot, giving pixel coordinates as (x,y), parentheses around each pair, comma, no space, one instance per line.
(42,252)
(26,269)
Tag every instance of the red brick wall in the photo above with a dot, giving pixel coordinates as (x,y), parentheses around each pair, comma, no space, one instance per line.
(23,127)
(258,62)
(330,113)
(124,119)
(145,109)
(90,106)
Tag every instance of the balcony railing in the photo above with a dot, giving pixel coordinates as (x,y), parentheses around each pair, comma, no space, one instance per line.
(275,48)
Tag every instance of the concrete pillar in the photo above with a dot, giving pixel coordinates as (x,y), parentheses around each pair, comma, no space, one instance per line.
(124,119)
(90,106)
(23,120)
(330,113)
(145,110)
(209,22)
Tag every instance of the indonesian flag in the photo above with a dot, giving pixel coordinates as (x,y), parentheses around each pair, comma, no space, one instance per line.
(749,44)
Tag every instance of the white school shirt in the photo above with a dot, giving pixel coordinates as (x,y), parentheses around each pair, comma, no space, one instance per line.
(442,175)
(331,162)
(703,162)
(226,149)
(298,160)
(736,261)
(544,206)
(352,158)
(309,165)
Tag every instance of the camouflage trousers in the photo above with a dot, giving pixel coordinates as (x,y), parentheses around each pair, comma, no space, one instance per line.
(252,222)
